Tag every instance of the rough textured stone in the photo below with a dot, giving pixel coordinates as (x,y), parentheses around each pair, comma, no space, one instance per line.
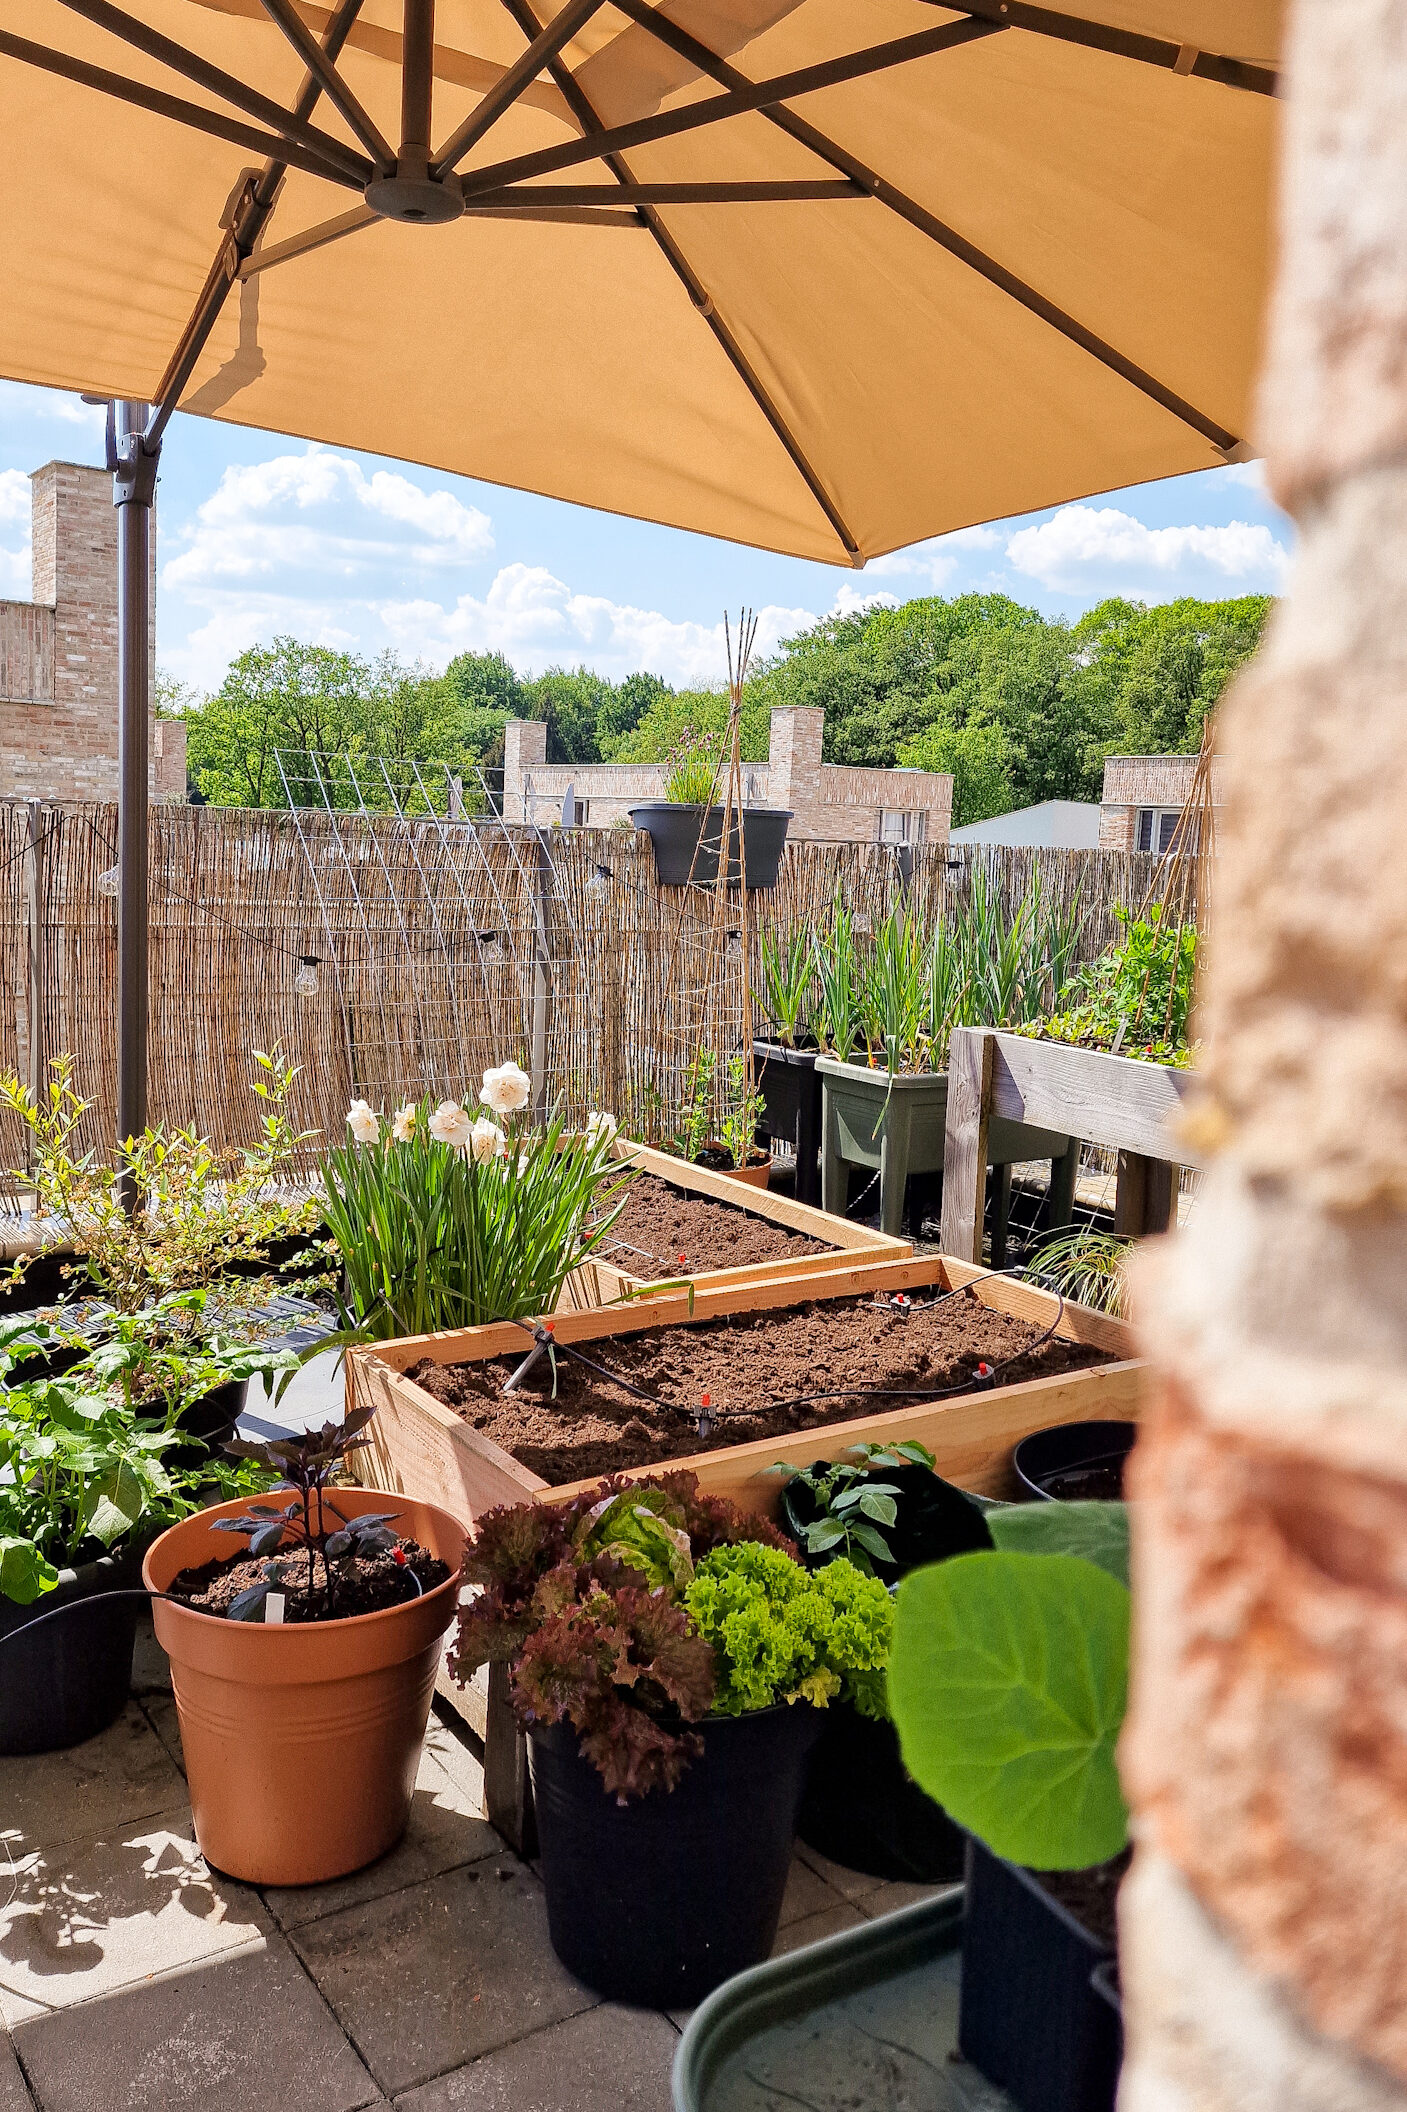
(112,1780)
(1334,397)
(14,2096)
(1205,2034)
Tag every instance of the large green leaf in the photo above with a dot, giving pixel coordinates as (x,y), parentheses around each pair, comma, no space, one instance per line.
(24,1573)
(1008,1681)
(1099,1532)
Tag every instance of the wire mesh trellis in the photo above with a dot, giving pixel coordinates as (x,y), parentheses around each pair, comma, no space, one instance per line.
(443,941)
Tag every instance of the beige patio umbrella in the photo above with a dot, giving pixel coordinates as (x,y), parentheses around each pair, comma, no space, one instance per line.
(822,277)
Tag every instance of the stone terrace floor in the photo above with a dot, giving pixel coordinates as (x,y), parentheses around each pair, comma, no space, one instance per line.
(135,1979)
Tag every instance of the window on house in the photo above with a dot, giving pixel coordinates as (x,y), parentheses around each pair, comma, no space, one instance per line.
(1155,828)
(900,825)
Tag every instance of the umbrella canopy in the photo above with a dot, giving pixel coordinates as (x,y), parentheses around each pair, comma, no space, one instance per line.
(820,277)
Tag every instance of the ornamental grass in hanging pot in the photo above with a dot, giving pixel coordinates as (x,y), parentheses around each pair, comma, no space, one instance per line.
(670,1661)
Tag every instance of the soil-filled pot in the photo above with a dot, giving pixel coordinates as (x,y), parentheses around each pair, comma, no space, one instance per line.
(209,1423)
(68,1679)
(862,1808)
(676,832)
(659,1900)
(302,1742)
(791,1094)
(1031,2019)
(1075,1462)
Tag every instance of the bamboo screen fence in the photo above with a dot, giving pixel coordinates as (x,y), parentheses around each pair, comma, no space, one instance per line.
(440,947)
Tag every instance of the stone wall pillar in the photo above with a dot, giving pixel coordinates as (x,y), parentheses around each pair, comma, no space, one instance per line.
(524,746)
(1265,1922)
(794,766)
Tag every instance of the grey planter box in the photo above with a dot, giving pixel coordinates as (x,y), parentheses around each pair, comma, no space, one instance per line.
(896,1125)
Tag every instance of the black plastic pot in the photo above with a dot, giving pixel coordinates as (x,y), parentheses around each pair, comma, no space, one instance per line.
(209,1423)
(862,1808)
(677,831)
(69,1679)
(1075,1462)
(791,1095)
(659,1900)
(935,1519)
(1030,2018)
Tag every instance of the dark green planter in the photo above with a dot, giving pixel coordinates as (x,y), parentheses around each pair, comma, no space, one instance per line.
(897,1125)
(791,1095)
(687,842)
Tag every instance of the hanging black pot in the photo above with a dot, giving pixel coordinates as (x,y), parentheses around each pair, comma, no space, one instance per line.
(861,1807)
(657,1901)
(688,842)
(68,1680)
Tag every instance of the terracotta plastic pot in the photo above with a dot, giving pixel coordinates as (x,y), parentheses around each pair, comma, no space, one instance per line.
(753,1176)
(302,1742)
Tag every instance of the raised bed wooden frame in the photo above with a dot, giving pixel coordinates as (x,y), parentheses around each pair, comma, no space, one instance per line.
(1128,1106)
(421,1448)
(605,1283)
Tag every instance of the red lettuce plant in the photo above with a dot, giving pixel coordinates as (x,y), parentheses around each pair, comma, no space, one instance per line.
(583,1601)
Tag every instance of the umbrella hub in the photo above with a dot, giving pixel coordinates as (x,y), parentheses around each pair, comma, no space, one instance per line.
(411,193)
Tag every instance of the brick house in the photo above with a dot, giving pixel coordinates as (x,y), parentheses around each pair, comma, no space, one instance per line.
(58,653)
(1142,798)
(832,803)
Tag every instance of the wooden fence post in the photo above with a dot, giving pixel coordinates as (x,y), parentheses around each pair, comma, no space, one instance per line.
(36,947)
(965,1143)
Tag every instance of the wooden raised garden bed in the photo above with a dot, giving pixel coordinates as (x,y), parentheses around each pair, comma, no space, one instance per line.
(423,1448)
(729,1233)
(1129,1106)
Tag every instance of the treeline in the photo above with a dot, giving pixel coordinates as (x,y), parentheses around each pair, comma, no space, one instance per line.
(1019,707)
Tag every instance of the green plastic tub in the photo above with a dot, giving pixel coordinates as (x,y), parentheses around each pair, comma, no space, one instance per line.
(862,2021)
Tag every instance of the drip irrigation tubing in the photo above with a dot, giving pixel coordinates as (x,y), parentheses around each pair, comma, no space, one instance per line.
(543,1338)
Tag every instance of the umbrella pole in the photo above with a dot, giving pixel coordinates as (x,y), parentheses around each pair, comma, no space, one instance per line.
(133,461)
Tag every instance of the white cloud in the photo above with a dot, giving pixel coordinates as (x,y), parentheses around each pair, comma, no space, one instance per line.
(22,403)
(14,535)
(319,514)
(536,619)
(935,562)
(1062,552)
(1250,474)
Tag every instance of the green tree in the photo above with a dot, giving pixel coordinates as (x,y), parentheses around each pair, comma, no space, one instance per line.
(682,711)
(622,711)
(1147,677)
(286,695)
(977,754)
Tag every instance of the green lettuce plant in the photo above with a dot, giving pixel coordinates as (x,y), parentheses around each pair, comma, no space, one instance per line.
(1008,1682)
(638,1609)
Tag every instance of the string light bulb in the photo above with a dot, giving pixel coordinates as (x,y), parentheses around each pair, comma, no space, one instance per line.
(307,981)
(107,882)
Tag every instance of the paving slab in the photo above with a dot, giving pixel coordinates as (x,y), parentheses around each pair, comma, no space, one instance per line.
(460,1758)
(160,1712)
(151,1668)
(426,1980)
(607,2060)
(829,1922)
(850,1884)
(125,1774)
(888,1896)
(14,2096)
(807,1892)
(446,1829)
(248,2033)
(93,1915)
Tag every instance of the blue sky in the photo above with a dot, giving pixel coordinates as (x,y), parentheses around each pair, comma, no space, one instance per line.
(259,534)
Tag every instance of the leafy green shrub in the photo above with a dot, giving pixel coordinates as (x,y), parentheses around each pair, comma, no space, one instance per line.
(1086,1266)
(853,1513)
(636,1609)
(83,1472)
(1008,1683)
(1137,999)
(782,1634)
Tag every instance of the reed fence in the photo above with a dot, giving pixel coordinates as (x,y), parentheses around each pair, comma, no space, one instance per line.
(437,947)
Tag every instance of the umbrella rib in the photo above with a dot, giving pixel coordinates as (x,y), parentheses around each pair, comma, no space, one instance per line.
(330,80)
(312,238)
(1123,43)
(157,100)
(786,191)
(586,116)
(510,85)
(207,75)
(743,97)
(248,215)
(926,223)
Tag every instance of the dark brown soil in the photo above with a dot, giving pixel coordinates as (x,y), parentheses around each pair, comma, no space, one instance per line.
(1090,1895)
(665,1231)
(762,1372)
(361,1584)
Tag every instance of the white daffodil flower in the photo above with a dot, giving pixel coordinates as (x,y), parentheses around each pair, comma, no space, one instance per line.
(362,1122)
(600,1127)
(451,1124)
(506,1089)
(487,1141)
(403,1127)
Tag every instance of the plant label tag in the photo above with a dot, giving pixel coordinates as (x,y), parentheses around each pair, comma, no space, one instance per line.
(273,1610)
